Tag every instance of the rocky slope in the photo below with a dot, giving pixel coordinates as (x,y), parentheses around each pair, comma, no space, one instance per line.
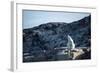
(41,40)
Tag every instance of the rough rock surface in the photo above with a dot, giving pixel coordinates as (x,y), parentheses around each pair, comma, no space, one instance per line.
(39,42)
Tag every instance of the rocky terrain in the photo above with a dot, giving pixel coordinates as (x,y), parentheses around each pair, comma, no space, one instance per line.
(39,42)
